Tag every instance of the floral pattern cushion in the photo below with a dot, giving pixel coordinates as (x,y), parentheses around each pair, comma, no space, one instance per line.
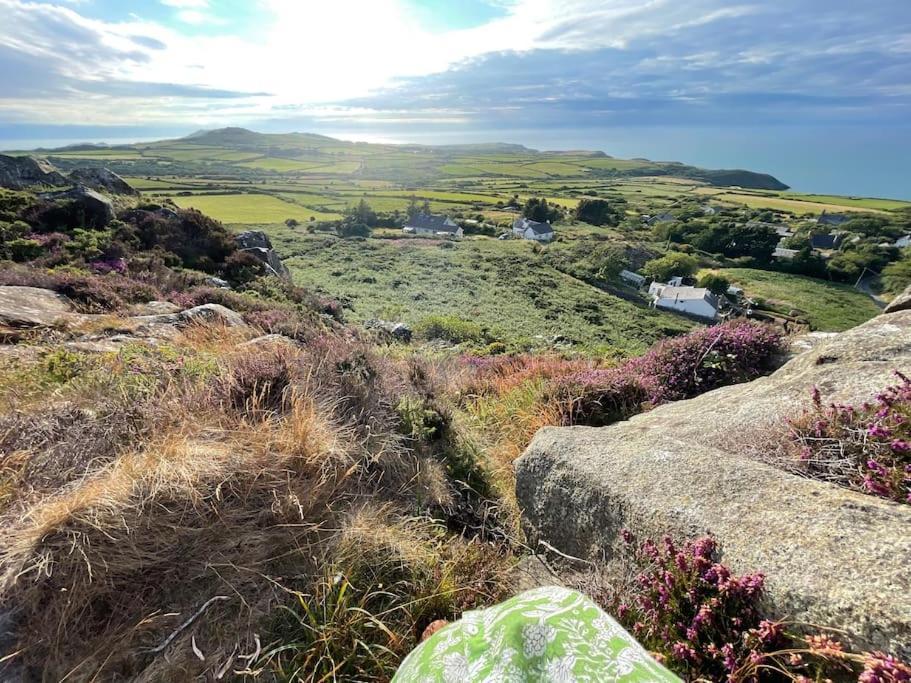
(547,634)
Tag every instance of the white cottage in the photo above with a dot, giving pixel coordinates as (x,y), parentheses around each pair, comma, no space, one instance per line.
(532,230)
(433,225)
(695,301)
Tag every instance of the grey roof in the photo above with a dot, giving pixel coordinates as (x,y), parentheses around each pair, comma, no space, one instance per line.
(688,294)
(536,227)
(429,221)
(825,241)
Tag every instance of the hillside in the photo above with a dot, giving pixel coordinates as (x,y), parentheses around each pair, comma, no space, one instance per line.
(236,151)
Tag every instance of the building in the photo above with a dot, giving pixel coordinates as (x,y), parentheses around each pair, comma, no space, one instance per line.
(833,219)
(532,230)
(433,225)
(632,278)
(784,254)
(903,242)
(697,302)
(825,242)
(663,217)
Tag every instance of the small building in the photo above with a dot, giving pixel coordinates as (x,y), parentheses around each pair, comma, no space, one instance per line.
(698,302)
(712,210)
(433,225)
(903,242)
(735,292)
(632,278)
(532,230)
(825,242)
(833,219)
(663,217)
(783,254)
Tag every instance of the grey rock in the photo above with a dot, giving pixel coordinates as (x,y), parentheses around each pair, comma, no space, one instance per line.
(102,180)
(22,173)
(32,307)
(831,556)
(207,313)
(213,281)
(268,340)
(396,331)
(257,243)
(154,308)
(900,303)
(97,210)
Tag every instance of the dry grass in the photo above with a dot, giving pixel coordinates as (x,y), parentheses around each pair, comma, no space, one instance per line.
(232,480)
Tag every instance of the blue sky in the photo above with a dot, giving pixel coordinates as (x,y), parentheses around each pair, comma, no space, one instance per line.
(399,68)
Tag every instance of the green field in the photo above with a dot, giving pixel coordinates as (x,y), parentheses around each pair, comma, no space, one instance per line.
(829,307)
(250,208)
(502,285)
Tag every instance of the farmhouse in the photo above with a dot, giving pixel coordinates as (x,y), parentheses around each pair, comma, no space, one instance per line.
(431,224)
(632,278)
(532,230)
(695,301)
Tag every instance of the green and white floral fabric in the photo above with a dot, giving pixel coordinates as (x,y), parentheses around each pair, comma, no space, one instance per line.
(547,634)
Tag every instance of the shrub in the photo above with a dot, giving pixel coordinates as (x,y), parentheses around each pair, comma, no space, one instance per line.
(671,264)
(867,448)
(450,328)
(704,623)
(717,284)
(256,385)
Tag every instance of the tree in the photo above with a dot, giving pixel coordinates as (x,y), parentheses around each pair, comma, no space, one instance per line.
(413,208)
(671,264)
(715,283)
(346,229)
(537,209)
(600,211)
(362,213)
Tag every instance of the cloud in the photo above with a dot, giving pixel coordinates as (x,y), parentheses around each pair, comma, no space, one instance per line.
(554,62)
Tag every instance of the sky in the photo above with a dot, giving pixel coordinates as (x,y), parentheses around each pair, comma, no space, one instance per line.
(704,76)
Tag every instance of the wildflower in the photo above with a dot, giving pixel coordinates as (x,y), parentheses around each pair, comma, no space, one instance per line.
(822,644)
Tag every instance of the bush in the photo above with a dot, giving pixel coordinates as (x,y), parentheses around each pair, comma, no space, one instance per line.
(867,449)
(717,284)
(669,265)
(450,328)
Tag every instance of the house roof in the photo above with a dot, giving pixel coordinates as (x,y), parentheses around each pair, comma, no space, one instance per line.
(429,221)
(663,217)
(824,241)
(535,226)
(669,292)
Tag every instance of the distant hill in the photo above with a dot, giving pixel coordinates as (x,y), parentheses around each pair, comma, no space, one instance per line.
(239,152)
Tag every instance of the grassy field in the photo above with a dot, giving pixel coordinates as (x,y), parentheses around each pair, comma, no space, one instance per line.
(504,286)
(830,307)
(250,208)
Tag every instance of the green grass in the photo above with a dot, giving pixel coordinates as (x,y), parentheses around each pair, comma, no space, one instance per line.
(249,208)
(829,306)
(503,286)
(274,164)
(854,202)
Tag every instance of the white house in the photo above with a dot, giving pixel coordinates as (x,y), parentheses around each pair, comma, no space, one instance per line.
(431,224)
(532,230)
(695,301)
(632,278)
(784,254)
(903,242)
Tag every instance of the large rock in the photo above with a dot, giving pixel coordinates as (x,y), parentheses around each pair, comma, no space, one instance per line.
(257,243)
(32,307)
(102,180)
(900,303)
(22,173)
(831,556)
(207,313)
(93,209)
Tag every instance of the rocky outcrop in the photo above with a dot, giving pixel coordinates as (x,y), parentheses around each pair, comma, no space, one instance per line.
(22,307)
(900,303)
(102,180)
(22,173)
(207,313)
(831,556)
(258,244)
(94,209)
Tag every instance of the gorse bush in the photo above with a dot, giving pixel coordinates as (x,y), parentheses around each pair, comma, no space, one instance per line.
(867,448)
